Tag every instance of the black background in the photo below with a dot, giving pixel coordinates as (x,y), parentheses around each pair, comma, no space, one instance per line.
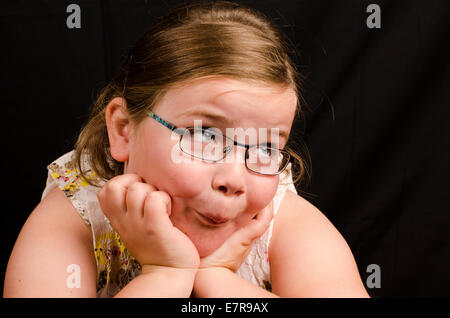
(377,130)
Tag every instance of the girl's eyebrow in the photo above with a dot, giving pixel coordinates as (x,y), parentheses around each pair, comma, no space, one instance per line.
(212,116)
(223,119)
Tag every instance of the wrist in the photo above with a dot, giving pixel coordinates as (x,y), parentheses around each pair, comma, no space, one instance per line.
(167,271)
(211,270)
(231,285)
(160,281)
(206,279)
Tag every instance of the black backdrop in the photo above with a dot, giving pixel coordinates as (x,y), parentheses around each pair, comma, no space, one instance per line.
(377,130)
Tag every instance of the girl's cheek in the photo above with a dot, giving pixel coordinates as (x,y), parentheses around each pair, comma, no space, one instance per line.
(262,192)
(186,180)
(167,168)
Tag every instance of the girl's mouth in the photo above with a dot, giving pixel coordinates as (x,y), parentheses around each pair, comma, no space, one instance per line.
(212,220)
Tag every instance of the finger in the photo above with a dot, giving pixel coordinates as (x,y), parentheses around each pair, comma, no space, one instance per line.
(157,209)
(257,226)
(262,221)
(135,198)
(112,195)
(265,216)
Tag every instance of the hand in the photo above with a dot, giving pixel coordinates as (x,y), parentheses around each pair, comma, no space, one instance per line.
(233,251)
(139,213)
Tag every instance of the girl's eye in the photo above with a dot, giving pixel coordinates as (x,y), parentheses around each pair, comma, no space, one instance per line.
(265,151)
(208,135)
(203,135)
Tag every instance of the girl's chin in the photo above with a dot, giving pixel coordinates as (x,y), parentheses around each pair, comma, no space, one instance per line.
(206,248)
(207,240)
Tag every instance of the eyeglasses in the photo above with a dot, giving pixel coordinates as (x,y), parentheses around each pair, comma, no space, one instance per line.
(210,144)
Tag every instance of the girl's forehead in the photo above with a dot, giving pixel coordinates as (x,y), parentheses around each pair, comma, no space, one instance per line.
(229,97)
(222,85)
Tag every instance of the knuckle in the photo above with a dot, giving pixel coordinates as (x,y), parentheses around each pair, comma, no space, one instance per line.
(157,199)
(102,196)
(149,187)
(111,186)
(140,187)
(136,186)
(154,196)
(163,196)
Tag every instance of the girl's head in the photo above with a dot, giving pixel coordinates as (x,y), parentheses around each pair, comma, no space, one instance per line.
(215,58)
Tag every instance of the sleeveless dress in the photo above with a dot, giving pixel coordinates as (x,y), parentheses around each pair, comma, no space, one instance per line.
(115,266)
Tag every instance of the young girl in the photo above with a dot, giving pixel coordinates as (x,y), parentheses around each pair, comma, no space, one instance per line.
(171,203)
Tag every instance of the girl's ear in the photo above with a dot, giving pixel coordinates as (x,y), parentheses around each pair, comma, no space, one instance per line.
(119,129)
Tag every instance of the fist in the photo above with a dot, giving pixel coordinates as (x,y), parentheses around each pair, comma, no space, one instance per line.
(139,213)
(233,251)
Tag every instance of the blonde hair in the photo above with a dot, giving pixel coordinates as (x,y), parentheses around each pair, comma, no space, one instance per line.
(195,40)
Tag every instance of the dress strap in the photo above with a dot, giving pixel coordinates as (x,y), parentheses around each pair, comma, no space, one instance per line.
(64,174)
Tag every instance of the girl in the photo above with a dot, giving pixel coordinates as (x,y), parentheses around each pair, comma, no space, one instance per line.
(171,208)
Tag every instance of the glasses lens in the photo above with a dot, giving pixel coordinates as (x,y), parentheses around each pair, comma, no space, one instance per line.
(210,145)
(206,144)
(266,160)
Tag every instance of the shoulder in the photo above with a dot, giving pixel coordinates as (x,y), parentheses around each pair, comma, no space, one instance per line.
(295,211)
(53,238)
(308,255)
(297,223)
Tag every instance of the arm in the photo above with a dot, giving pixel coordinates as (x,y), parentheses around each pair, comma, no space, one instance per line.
(160,281)
(221,282)
(308,256)
(53,237)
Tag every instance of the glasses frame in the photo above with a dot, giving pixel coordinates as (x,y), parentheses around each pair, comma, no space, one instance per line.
(181,131)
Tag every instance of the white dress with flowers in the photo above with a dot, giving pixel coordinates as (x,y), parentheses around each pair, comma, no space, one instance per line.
(115,266)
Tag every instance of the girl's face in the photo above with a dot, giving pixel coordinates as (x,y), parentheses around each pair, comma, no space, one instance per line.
(211,200)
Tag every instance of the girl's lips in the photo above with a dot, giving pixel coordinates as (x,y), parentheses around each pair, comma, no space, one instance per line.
(212,220)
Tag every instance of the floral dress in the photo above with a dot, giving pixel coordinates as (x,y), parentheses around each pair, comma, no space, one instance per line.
(115,266)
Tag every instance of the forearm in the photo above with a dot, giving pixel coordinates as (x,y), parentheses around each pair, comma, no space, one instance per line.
(220,282)
(160,282)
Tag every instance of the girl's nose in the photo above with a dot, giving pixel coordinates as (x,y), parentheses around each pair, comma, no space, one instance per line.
(230,175)
(229,187)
